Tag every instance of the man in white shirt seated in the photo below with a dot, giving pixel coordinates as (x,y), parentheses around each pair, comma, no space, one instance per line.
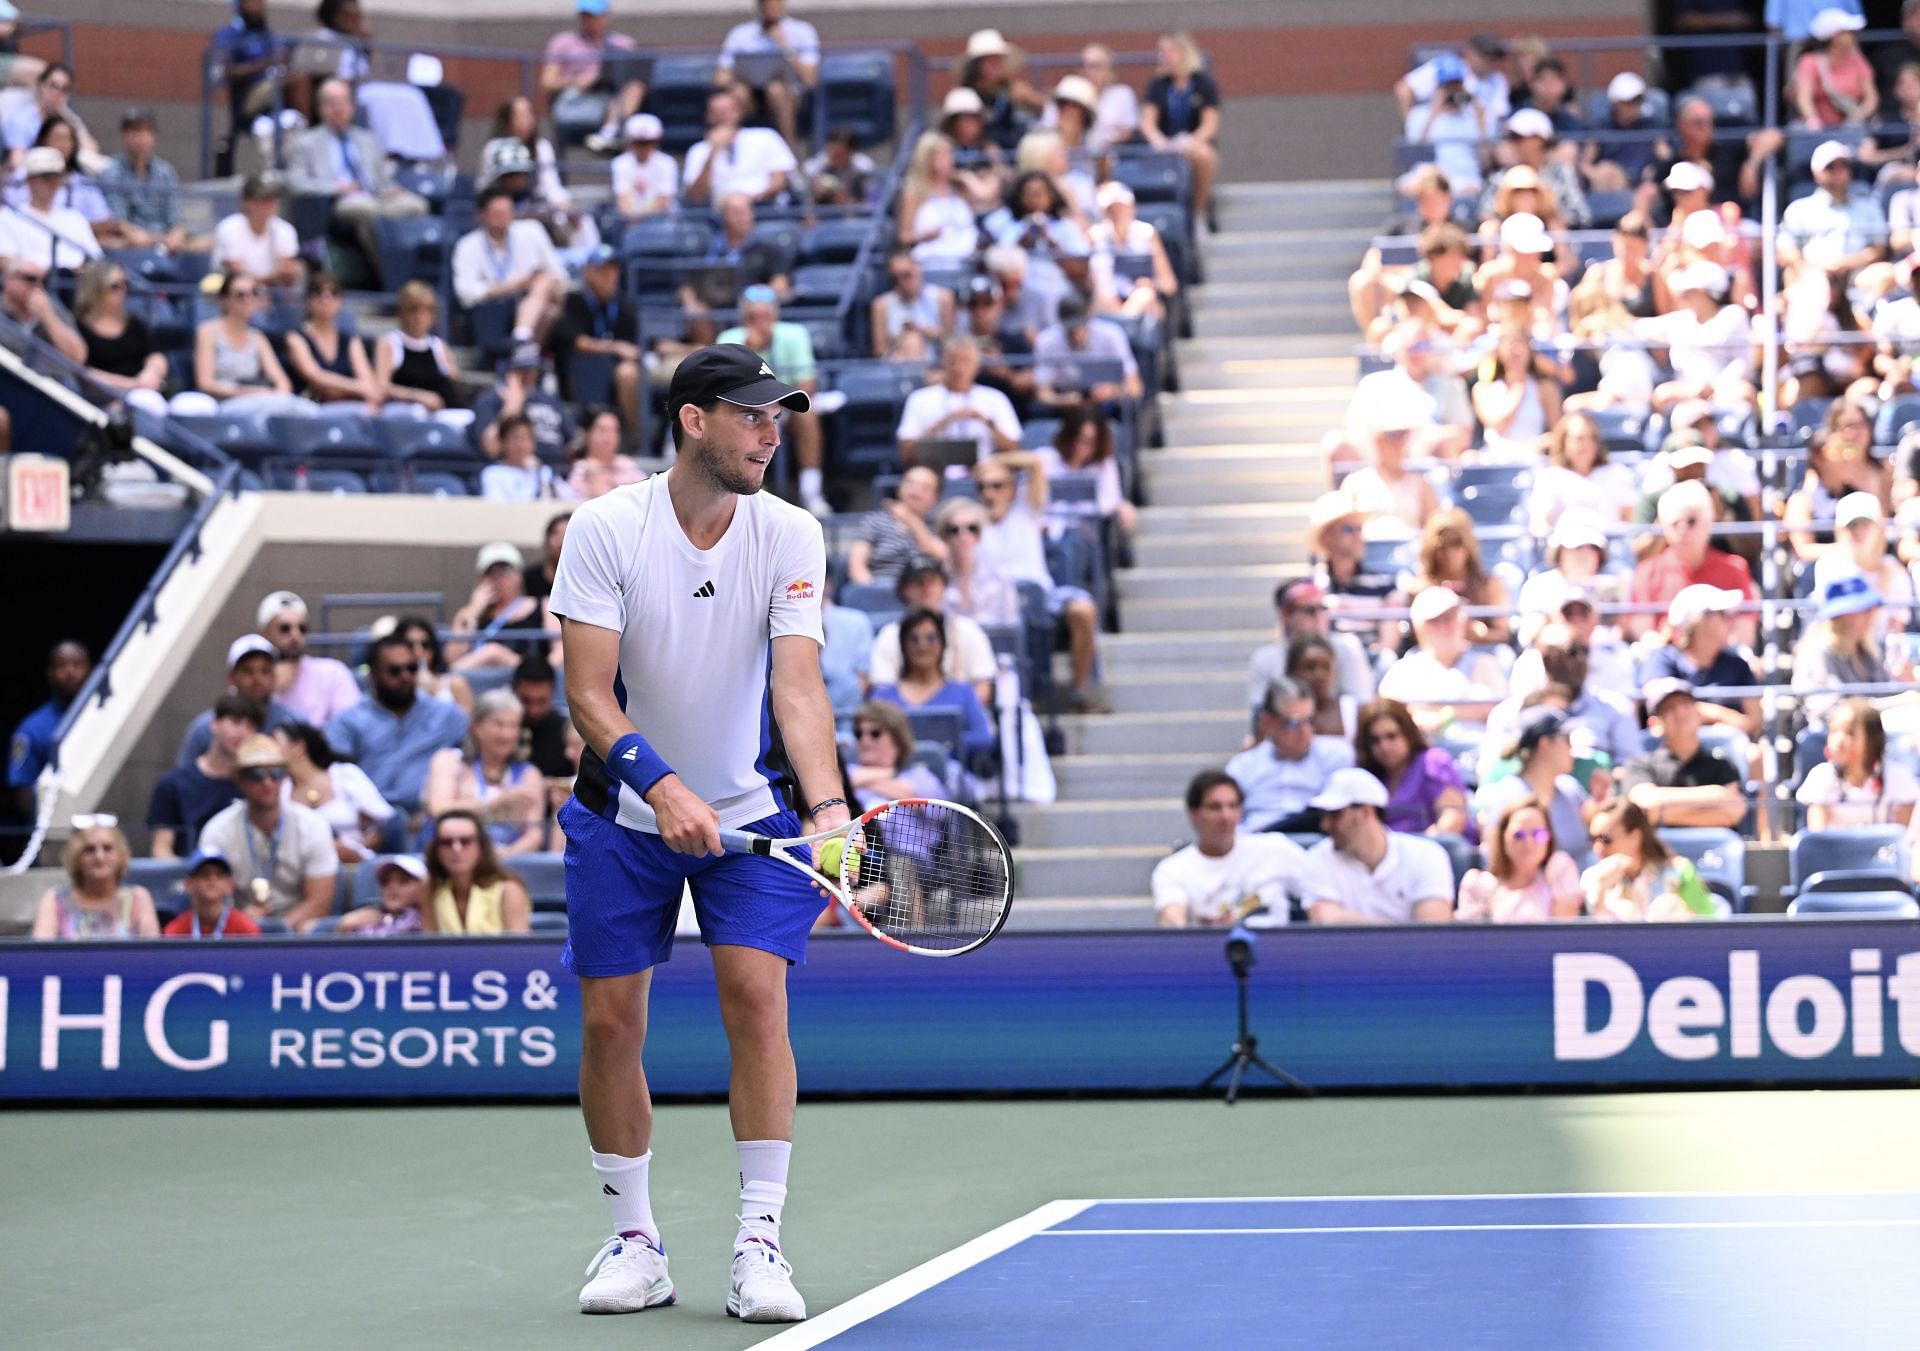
(1225,874)
(1078,337)
(1363,873)
(1840,228)
(502,258)
(646,179)
(257,241)
(922,585)
(1301,608)
(1290,764)
(958,409)
(795,41)
(56,238)
(752,161)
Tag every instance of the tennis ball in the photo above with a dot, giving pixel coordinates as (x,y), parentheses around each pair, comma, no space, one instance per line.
(831,856)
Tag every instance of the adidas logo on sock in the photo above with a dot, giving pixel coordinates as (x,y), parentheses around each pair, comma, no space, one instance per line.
(705,592)
(606,1189)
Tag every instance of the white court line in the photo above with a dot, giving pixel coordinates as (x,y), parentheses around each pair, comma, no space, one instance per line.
(1490,1196)
(922,1278)
(1492,1228)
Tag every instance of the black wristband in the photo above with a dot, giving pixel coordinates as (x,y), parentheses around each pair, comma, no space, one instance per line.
(824,803)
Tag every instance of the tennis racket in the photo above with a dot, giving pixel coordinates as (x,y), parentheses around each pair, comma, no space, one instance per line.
(923,876)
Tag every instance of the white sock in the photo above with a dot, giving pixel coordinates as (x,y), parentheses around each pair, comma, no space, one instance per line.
(810,485)
(623,1184)
(523,335)
(763,1188)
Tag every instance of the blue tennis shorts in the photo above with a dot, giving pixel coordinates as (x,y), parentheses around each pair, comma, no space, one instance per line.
(624,887)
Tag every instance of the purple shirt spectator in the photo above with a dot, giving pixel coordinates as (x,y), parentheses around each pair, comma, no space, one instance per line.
(1410,804)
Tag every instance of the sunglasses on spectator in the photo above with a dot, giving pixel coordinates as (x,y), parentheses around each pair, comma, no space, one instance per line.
(870,733)
(1313,609)
(964,528)
(292,626)
(238,294)
(95,821)
(1602,838)
(923,636)
(995,484)
(265,774)
(458,841)
(1576,650)
(1390,734)
(409,668)
(118,284)
(30,278)
(1346,528)
(1292,724)
(1529,835)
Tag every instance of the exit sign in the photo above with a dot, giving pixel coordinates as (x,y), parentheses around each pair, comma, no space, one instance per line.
(38,494)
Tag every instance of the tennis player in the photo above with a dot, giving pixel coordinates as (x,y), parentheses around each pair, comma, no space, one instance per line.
(690,616)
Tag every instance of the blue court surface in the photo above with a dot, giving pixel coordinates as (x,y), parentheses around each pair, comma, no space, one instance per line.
(1646,1272)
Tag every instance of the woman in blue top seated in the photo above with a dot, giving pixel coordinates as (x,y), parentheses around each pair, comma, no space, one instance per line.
(923,647)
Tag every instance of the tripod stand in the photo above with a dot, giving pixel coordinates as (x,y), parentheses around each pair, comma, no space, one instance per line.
(1245,1053)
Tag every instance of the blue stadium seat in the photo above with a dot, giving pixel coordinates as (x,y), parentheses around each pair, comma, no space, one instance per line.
(944,727)
(1804,419)
(1719,856)
(1733,108)
(862,432)
(439,483)
(1875,856)
(234,434)
(829,343)
(784,235)
(409,249)
(1491,504)
(304,437)
(413,438)
(546,879)
(1608,208)
(859,94)
(1897,417)
(1154,177)
(677,94)
(1038,432)
(872,598)
(667,237)
(338,481)
(547,921)
(1855,904)
(162,877)
(820,283)
(1621,429)
(587,378)
(835,241)
(1462,855)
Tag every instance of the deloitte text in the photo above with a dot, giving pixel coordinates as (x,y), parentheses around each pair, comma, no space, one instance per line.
(1874,1013)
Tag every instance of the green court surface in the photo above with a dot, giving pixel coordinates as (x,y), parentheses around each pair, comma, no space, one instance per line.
(468,1227)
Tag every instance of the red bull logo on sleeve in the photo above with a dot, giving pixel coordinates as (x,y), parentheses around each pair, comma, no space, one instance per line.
(800,590)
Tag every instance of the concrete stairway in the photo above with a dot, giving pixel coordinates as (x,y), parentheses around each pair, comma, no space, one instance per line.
(1269,370)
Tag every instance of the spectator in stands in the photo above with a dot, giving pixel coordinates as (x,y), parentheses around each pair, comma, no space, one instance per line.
(959,408)
(1062,382)
(1225,874)
(1181,111)
(52,93)
(598,464)
(753,162)
(1335,534)
(1116,118)
(910,320)
(937,221)
(1838,467)
(646,179)
(518,475)
(840,173)
(1638,877)
(777,93)
(30,749)
(601,320)
(97,901)
(337,789)
(1708,341)
(1686,518)
(189,795)
(499,602)
(535,684)
(1544,748)
(1445,681)
(209,914)
(347,163)
(1482,63)
(898,530)
(518,121)
(884,768)
(1517,398)
(1559,655)
(1300,607)
(1730,169)
(1699,623)
(1576,552)
(255,241)
(1001,335)
(846,658)
(472,891)
(393,733)
(1578,475)
(504,259)
(980,591)
(284,862)
(1862,546)
(592,95)
(537,576)
(755,261)
(1626,278)
(1450,558)
(1841,649)
(1070,113)
(520,392)
(1528,879)
(1039,219)
(1310,663)
(787,348)
(1836,229)
(411,362)
(1528,146)
(922,681)
(1120,234)
(143,190)
(1084,445)
(992,69)
(1425,793)
(490,779)
(1288,764)
(434,680)
(1448,118)
(1856,785)
(1364,873)
(1680,782)
(330,365)
(250,59)
(969,658)
(1623,160)
(18,70)
(1386,488)
(402,880)
(234,362)
(79,191)
(250,674)
(315,688)
(43,231)
(980,169)
(28,304)
(1832,84)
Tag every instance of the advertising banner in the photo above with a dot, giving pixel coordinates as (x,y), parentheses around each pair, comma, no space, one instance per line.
(1570,1006)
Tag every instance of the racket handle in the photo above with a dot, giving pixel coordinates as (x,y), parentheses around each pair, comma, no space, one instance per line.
(745,842)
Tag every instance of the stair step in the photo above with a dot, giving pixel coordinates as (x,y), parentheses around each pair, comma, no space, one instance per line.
(1206,582)
(1278,553)
(1379,190)
(1174,616)
(1305,240)
(1203,734)
(1217,374)
(1297,484)
(1358,213)
(1268,347)
(1214,650)
(1241,520)
(1327,323)
(1330,267)
(1217,690)
(1096,823)
(1219,294)
(1125,776)
(1088,870)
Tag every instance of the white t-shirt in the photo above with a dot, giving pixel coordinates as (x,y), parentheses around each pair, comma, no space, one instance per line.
(1490,89)
(1015,546)
(24,235)
(1455,135)
(1870,804)
(969,653)
(656,183)
(926,406)
(354,800)
(1414,869)
(750,39)
(1257,865)
(695,628)
(237,249)
(479,265)
(748,166)
(522,483)
(300,848)
(959,236)
(1610,491)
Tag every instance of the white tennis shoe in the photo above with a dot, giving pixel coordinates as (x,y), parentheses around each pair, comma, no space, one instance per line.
(628,1274)
(763,1286)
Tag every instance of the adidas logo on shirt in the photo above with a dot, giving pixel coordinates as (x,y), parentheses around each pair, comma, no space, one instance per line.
(706,591)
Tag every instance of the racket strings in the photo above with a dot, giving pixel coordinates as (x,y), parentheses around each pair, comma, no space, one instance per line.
(930,876)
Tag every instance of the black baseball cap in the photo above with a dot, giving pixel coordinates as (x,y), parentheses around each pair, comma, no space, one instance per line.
(920,565)
(735,374)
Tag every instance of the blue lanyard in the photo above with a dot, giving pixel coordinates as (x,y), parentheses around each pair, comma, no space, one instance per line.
(502,259)
(350,160)
(273,858)
(602,314)
(219,930)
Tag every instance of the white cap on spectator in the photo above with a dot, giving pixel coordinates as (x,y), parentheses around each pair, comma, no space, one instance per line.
(1626,87)
(1404,409)
(986,42)
(1708,277)
(1111,192)
(494,554)
(1700,599)
(425,71)
(1350,787)
(245,646)
(1690,413)
(1686,176)
(1703,230)
(962,102)
(1688,453)
(1530,122)
(1077,89)
(406,863)
(1824,155)
(1327,508)
(1524,232)
(1578,530)
(1662,688)
(644,127)
(1433,602)
(273,603)
(44,161)
(1856,507)
(1828,24)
